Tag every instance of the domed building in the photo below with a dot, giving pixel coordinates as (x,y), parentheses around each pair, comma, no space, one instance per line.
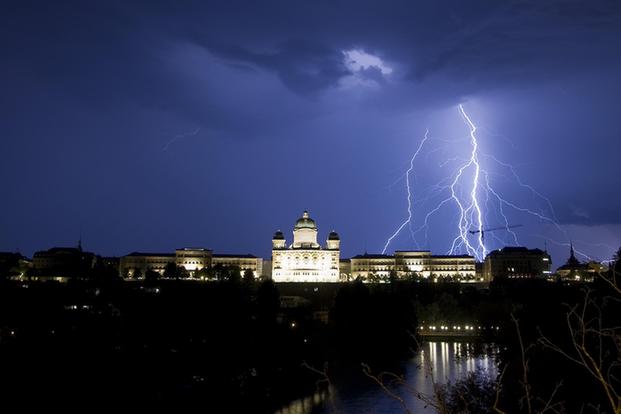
(305,260)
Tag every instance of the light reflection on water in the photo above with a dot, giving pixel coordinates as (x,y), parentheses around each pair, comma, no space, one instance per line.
(436,361)
(319,402)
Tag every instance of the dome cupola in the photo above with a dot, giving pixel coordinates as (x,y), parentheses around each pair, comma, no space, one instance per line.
(305,233)
(305,222)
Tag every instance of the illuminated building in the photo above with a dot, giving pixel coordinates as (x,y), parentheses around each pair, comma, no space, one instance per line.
(243,261)
(413,262)
(345,269)
(305,260)
(365,266)
(191,259)
(420,263)
(460,267)
(516,263)
(137,263)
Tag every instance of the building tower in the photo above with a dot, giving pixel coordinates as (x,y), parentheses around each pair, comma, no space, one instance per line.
(334,241)
(278,241)
(305,233)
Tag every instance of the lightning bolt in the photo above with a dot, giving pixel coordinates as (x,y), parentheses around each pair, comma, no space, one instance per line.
(408,220)
(470,191)
(180,136)
(469,214)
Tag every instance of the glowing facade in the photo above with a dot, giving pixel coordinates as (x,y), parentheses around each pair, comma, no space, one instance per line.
(191,259)
(413,262)
(243,261)
(305,260)
(136,264)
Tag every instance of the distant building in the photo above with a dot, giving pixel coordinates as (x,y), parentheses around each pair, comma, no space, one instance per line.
(575,271)
(243,261)
(459,267)
(409,262)
(136,264)
(345,270)
(191,259)
(364,266)
(62,263)
(305,260)
(516,263)
(419,263)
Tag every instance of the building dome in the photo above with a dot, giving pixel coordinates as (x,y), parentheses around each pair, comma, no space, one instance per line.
(305,222)
(278,235)
(333,236)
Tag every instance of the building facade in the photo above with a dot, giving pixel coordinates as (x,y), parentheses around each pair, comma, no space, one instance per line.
(459,267)
(413,262)
(365,266)
(419,263)
(62,263)
(517,263)
(305,260)
(243,261)
(136,264)
(191,259)
(345,270)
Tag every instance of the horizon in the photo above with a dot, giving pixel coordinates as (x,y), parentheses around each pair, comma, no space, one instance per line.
(80,244)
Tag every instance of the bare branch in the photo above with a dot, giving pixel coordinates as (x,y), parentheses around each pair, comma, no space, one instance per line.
(378,380)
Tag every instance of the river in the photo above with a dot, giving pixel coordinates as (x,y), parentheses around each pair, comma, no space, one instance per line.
(436,361)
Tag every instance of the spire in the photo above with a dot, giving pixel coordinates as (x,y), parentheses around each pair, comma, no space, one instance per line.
(572,261)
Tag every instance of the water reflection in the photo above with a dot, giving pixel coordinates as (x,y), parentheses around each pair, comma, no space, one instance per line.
(319,402)
(438,362)
(448,361)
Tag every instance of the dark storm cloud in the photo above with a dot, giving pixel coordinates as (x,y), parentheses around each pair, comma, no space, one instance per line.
(526,40)
(482,42)
(303,66)
(113,51)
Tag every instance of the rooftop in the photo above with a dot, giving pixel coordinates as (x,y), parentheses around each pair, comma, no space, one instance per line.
(516,250)
(245,256)
(373,256)
(141,254)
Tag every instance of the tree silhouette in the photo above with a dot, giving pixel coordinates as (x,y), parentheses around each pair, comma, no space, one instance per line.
(248,276)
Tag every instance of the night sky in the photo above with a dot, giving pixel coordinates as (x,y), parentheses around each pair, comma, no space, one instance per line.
(147,126)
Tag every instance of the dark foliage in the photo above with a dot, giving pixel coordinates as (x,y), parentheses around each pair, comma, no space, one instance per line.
(374,322)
